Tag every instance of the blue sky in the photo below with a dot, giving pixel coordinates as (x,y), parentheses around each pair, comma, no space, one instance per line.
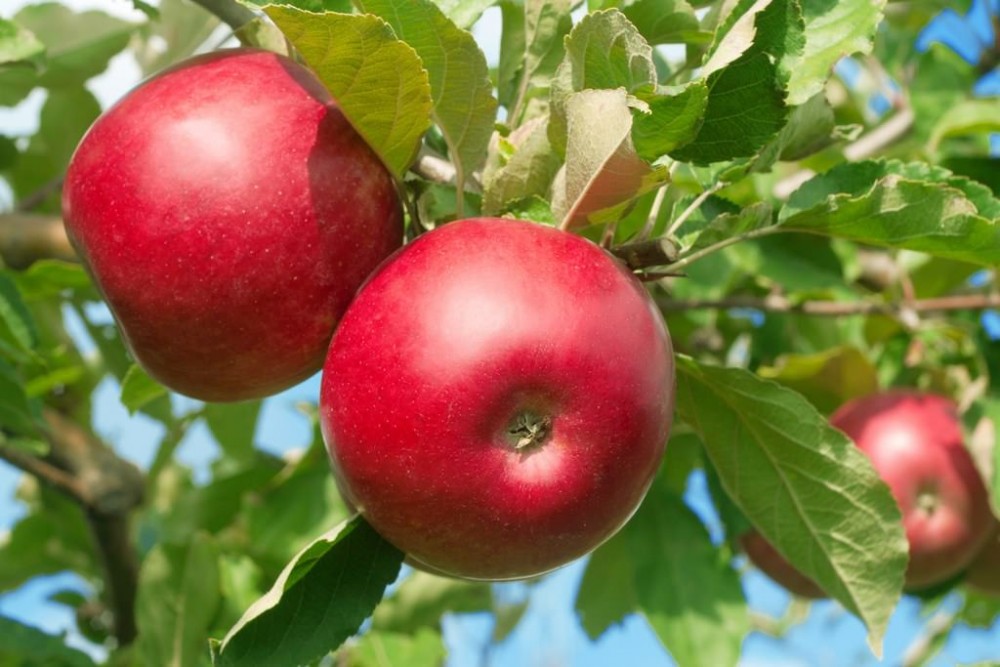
(549,634)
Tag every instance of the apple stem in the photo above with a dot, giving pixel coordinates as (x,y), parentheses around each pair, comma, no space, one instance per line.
(528,430)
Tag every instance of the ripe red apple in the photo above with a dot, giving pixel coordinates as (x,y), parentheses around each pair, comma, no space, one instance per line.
(984,573)
(228,213)
(914,441)
(497,398)
(767,559)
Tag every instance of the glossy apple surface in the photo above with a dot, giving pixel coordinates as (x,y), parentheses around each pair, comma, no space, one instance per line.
(914,441)
(497,398)
(767,559)
(983,574)
(228,212)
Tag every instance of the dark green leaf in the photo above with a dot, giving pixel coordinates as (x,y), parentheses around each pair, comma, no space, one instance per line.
(319,600)
(746,96)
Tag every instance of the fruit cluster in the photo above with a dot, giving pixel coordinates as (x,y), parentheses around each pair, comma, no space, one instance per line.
(497,394)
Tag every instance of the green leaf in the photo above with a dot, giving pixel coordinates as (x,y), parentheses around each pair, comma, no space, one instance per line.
(607,593)
(16,414)
(828,379)
(603,172)
(53,537)
(531,49)
(281,518)
(424,648)
(833,30)
(671,121)
(665,21)
(233,426)
(25,645)
(745,74)
(464,12)
(941,81)
(181,28)
(528,170)
(177,599)
(422,599)
(969,117)
(78,46)
(462,93)
(751,219)
(603,51)
(47,278)
(138,389)
(319,600)
(18,44)
(686,590)
(16,324)
(378,81)
(316,6)
(803,484)
(66,115)
(881,204)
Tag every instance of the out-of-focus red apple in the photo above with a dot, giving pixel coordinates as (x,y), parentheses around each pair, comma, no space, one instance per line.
(228,213)
(767,559)
(497,398)
(915,443)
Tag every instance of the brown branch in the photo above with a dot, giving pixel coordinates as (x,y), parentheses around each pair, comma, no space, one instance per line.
(107,488)
(27,237)
(644,254)
(780,304)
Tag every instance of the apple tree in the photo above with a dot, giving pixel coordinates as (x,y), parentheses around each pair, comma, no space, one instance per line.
(690,290)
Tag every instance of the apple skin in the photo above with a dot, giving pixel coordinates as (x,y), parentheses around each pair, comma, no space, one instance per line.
(457,335)
(228,213)
(915,443)
(983,574)
(767,559)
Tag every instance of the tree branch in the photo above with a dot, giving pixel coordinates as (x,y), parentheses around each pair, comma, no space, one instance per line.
(108,488)
(28,237)
(780,304)
(229,12)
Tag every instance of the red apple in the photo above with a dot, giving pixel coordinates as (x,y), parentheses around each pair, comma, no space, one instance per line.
(767,559)
(497,398)
(984,573)
(228,213)
(914,441)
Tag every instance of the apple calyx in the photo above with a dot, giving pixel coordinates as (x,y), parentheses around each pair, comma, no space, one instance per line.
(928,502)
(528,430)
